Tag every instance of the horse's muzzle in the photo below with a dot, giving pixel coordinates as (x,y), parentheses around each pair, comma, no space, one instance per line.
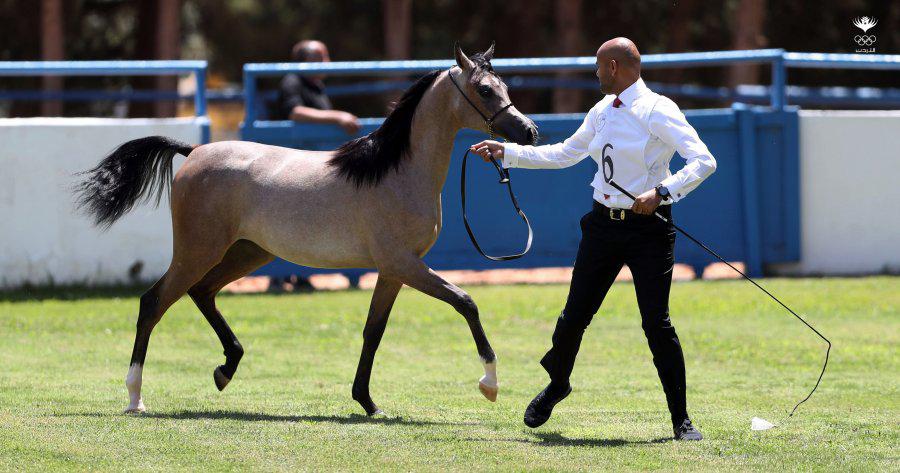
(517,128)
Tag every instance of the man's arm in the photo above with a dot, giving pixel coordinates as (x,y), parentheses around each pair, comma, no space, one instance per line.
(296,109)
(347,121)
(669,124)
(555,156)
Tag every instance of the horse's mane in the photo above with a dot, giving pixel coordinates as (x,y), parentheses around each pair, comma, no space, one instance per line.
(366,160)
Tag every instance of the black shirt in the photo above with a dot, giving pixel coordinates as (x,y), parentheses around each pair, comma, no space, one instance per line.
(298,90)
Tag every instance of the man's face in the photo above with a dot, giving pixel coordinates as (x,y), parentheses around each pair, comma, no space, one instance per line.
(319,54)
(604,74)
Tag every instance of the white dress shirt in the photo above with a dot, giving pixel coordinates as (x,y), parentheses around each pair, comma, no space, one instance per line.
(638,138)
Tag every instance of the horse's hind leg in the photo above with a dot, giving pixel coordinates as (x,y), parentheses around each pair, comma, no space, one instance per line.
(185,270)
(242,258)
(416,274)
(383,298)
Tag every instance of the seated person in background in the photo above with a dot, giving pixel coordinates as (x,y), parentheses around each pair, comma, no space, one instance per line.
(303,99)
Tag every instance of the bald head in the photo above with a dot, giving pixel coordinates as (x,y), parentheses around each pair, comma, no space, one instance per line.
(621,50)
(618,65)
(310,50)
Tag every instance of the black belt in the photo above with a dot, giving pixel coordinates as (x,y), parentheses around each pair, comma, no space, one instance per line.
(626,214)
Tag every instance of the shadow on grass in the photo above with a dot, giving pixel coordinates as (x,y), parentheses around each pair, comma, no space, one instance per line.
(77,292)
(555,439)
(261,417)
(73,292)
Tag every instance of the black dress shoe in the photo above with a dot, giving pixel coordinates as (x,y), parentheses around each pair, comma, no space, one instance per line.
(687,431)
(542,405)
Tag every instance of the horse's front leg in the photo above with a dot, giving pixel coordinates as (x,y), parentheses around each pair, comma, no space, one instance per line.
(416,274)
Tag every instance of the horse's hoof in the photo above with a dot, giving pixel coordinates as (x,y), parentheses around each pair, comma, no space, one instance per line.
(490,392)
(220,378)
(378,414)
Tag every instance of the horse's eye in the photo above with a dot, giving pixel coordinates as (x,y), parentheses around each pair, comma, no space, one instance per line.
(484,91)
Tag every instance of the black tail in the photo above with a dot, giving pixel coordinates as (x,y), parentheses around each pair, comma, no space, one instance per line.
(136,170)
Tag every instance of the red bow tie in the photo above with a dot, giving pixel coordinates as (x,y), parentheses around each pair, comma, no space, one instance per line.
(617,103)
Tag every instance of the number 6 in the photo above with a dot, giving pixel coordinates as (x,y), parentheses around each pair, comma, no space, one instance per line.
(607,160)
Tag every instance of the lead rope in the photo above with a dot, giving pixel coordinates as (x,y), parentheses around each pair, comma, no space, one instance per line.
(504,179)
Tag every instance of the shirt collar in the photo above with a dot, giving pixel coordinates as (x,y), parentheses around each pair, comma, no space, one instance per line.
(633,91)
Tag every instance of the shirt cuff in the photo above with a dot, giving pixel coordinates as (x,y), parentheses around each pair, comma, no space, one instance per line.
(674,185)
(511,153)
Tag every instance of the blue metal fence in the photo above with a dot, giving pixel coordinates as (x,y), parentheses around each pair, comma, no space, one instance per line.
(748,210)
(120,68)
(832,96)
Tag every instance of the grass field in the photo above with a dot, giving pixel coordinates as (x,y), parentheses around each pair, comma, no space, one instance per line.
(63,361)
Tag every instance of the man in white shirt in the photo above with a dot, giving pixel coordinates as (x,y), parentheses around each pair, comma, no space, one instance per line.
(632,134)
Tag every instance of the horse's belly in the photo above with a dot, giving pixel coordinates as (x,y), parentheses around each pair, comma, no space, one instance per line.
(309,241)
(318,255)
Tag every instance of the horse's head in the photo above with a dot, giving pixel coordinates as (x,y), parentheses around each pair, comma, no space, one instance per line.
(490,106)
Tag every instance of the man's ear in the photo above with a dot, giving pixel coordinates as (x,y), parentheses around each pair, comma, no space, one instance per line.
(462,60)
(489,54)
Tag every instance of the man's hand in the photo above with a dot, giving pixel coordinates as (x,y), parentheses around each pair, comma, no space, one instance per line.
(646,203)
(348,122)
(486,148)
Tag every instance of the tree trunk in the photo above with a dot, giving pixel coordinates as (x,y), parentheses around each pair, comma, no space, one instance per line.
(168,46)
(397,28)
(397,25)
(52,49)
(569,31)
(749,19)
(158,37)
(524,24)
(145,48)
(680,35)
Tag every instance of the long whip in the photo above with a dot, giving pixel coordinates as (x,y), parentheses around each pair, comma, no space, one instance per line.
(748,278)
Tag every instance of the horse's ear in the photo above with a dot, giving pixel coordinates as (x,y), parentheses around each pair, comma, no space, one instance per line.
(489,54)
(462,60)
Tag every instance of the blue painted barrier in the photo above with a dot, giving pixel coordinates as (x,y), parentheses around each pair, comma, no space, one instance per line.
(748,210)
(725,210)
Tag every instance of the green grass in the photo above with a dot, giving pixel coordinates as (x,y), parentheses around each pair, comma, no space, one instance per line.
(63,361)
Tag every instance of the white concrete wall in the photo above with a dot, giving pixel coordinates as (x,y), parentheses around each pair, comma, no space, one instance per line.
(43,239)
(850,193)
(849,167)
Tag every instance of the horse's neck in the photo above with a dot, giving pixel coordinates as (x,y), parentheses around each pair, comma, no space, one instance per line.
(431,142)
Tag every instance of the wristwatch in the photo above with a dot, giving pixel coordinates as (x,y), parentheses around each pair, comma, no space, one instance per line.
(662,192)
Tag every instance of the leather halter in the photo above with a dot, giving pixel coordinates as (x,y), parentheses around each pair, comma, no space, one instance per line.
(504,179)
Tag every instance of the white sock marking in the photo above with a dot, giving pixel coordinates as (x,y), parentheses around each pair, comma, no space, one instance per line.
(490,374)
(133,383)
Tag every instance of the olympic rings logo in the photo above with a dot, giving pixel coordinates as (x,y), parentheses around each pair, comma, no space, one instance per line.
(864,39)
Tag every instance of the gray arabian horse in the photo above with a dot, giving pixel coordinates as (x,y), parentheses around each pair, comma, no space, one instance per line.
(375,202)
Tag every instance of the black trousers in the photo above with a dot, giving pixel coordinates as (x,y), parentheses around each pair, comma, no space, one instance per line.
(646,244)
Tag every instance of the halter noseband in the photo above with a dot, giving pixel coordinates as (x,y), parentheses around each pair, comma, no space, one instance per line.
(488,121)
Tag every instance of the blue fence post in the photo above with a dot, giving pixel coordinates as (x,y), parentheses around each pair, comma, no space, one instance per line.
(746,131)
(791,153)
(249,97)
(779,82)
(200,103)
